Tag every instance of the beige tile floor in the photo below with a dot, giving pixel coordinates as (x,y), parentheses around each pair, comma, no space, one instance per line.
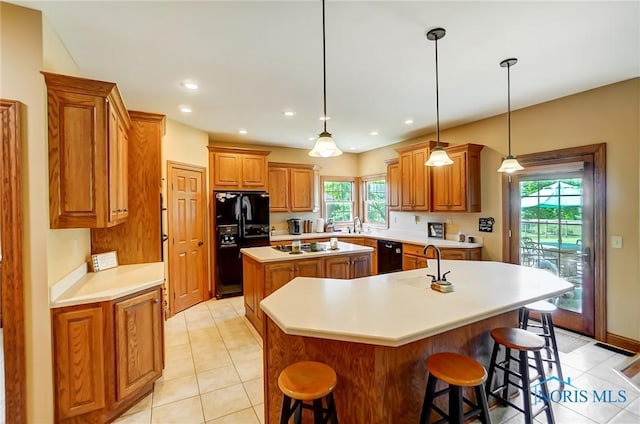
(213,375)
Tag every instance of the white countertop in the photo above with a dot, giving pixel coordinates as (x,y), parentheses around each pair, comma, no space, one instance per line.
(111,284)
(269,254)
(391,235)
(399,308)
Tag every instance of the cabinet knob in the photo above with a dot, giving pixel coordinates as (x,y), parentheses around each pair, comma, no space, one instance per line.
(119,210)
(156,300)
(125,210)
(200,243)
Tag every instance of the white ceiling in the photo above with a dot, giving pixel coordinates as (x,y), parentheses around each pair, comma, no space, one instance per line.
(253,60)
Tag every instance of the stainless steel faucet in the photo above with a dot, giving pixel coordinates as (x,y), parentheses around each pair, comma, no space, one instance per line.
(440,279)
(357,225)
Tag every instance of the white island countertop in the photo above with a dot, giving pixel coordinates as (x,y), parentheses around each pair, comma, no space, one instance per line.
(269,254)
(111,284)
(399,308)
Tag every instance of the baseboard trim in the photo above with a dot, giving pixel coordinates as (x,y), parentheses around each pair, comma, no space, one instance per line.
(623,342)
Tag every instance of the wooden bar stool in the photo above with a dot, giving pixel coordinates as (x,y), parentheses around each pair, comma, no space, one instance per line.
(458,371)
(523,342)
(310,382)
(545,330)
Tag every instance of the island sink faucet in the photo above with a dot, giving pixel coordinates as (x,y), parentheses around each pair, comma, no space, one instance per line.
(441,279)
(357,225)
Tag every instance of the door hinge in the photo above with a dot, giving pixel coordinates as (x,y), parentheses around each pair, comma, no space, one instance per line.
(509,233)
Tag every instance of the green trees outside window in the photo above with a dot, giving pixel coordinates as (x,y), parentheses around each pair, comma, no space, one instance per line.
(338,200)
(375,201)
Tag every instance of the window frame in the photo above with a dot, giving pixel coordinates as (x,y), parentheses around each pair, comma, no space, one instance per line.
(363,204)
(354,196)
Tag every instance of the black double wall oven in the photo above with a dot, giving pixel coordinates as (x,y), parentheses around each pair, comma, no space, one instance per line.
(241,220)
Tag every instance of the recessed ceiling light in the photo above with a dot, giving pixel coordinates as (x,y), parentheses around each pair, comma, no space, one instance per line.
(311,138)
(352,148)
(242,131)
(189,85)
(373,133)
(324,118)
(289,113)
(408,121)
(185,108)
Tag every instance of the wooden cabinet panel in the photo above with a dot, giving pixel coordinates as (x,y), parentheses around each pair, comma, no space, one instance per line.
(302,189)
(139,239)
(252,280)
(413,256)
(360,266)
(413,262)
(278,189)
(456,188)
(393,185)
(79,366)
(238,169)
(138,325)
(308,268)
(87,125)
(374,255)
(277,275)
(337,267)
(415,181)
(292,187)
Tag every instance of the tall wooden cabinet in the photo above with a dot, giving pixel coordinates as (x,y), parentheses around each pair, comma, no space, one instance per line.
(456,188)
(139,240)
(238,169)
(88,137)
(106,356)
(415,182)
(292,187)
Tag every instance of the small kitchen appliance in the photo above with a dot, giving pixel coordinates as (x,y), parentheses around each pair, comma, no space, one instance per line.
(295,226)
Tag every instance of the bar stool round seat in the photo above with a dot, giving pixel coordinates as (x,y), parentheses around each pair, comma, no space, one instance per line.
(308,383)
(542,306)
(458,371)
(524,343)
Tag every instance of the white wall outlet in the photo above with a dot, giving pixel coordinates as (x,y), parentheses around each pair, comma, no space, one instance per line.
(416,218)
(616,242)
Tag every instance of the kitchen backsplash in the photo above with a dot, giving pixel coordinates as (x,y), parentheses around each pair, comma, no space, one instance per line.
(416,223)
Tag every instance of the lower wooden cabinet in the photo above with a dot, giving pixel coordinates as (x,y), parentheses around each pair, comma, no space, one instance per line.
(106,356)
(413,256)
(262,279)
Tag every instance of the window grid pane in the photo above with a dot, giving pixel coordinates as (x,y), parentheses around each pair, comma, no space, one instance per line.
(375,201)
(338,197)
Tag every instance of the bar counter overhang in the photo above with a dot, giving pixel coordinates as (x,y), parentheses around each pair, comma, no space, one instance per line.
(376,332)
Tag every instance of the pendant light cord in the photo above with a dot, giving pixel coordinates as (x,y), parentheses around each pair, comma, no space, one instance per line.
(509,104)
(437,99)
(324,72)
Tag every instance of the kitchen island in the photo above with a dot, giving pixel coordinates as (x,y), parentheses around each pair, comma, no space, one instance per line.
(376,332)
(266,269)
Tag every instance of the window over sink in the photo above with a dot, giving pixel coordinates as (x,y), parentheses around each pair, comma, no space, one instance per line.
(344,198)
(374,200)
(338,199)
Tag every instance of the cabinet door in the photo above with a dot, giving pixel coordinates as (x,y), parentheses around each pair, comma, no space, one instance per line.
(277,275)
(78,356)
(409,262)
(393,186)
(122,173)
(138,336)
(460,254)
(420,180)
(226,170)
(78,184)
(113,165)
(449,185)
(301,188)
(278,189)
(374,255)
(337,267)
(360,266)
(252,280)
(406,181)
(308,268)
(253,172)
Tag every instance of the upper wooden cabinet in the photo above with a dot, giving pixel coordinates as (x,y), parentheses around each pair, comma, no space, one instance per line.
(88,136)
(393,185)
(415,177)
(292,187)
(238,169)
(456,188)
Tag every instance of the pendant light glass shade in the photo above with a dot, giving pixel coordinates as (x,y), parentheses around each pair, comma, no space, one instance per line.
(438,156)
(509,164)
(325,147)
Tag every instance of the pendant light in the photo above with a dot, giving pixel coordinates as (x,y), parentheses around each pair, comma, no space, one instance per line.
(510,163)
(325,146)
(439,156)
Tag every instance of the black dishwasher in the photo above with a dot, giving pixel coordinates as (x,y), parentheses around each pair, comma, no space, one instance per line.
(389,256)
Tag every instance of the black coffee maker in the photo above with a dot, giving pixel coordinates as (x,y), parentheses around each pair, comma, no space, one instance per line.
(295,226)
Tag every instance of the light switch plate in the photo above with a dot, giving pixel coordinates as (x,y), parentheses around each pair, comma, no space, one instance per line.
(616,242)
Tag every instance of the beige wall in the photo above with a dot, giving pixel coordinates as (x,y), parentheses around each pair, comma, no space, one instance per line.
(610,115)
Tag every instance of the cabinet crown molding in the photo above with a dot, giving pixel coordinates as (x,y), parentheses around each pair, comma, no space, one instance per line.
(238,150)
(293,165)
(426,144)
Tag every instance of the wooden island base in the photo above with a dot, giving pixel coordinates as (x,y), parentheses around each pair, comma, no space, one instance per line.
(376,384)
